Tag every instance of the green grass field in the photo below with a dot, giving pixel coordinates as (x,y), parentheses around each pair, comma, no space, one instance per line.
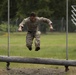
(53,45)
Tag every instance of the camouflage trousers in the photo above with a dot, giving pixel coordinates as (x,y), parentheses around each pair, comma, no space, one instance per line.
(33,36)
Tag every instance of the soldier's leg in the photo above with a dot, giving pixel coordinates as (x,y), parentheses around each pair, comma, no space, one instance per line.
(37,41)
(29,41)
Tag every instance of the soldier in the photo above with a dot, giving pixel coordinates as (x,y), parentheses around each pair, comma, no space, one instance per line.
(32,23)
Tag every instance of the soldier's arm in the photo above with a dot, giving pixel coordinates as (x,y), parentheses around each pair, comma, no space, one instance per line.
(47,21)
(21,25)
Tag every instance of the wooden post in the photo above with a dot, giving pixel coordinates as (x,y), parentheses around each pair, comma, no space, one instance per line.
(47,61)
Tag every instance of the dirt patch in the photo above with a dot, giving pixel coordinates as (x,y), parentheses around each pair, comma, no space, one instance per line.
(35,71)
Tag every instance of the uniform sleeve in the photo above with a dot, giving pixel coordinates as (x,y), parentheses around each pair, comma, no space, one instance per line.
(45,20)
(23,22)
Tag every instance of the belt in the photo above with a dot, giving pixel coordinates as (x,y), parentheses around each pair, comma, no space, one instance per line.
(32,31)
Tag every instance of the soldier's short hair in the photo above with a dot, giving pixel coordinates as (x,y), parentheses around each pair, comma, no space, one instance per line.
(33,14)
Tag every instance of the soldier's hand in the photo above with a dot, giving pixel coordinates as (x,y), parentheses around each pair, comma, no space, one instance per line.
(51,27)
(20,29)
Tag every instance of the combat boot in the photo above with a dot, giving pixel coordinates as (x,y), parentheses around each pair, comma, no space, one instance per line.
(30,48)
(37,48)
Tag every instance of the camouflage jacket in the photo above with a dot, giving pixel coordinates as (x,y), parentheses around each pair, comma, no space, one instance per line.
(34,26)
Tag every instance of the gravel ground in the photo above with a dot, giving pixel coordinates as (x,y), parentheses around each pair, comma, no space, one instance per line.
(29,71)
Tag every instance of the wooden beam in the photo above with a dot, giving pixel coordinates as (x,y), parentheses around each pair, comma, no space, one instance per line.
(46,61)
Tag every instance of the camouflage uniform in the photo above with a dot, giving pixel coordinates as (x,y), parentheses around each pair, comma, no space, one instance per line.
(33,32)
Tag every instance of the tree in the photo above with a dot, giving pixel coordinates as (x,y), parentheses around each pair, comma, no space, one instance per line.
(19,9)
(3,9)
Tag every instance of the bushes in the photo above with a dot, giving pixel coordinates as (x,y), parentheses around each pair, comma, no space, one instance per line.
(4,27)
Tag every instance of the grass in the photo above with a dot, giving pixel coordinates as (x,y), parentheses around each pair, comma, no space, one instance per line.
(53,45)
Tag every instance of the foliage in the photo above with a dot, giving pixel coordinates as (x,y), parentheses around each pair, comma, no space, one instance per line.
(4,28)
(19,9)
